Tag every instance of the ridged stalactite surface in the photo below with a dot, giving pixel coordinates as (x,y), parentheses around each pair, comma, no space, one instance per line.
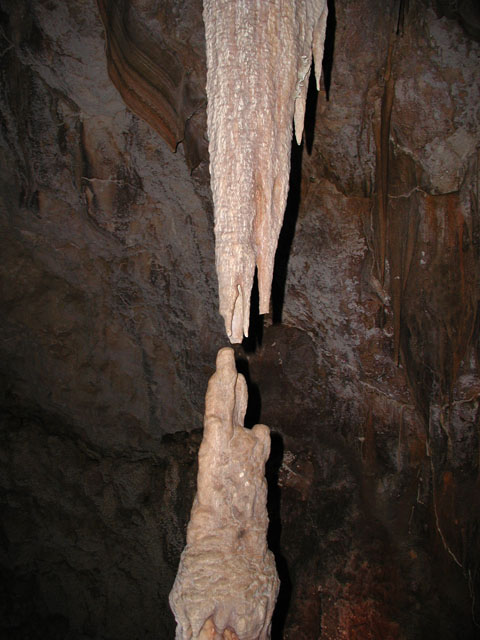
(227,583)
(258,64)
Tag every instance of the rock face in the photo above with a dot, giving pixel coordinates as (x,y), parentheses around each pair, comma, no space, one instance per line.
(156,59)
(227,583)
(367,371)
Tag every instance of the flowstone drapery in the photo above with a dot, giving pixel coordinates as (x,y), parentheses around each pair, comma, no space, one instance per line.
(227,583)
(259,56)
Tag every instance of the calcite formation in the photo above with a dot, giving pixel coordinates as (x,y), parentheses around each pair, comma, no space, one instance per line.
(227,583)
(259,56)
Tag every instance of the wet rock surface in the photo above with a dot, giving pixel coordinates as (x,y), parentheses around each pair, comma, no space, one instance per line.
(366,371)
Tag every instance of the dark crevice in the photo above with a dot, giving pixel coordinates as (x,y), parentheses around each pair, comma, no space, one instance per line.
(254,407)
(287,233)
(255,329)
(329,47)
(310,112)
(274,535)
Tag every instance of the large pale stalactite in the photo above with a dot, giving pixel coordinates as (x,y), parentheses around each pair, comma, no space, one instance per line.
(259,57)
(227,584)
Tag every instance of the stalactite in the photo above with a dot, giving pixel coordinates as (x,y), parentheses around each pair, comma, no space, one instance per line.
(258,59)
(227,582)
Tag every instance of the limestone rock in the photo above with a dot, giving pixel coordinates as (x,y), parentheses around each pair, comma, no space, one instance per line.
(109,329)
(227,582)
(149,55)
(258,65)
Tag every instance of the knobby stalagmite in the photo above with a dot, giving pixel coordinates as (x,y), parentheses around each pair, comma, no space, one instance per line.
(259,56)
(227,584)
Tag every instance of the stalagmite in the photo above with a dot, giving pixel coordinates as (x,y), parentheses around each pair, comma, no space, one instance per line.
(259,56)
(227,584)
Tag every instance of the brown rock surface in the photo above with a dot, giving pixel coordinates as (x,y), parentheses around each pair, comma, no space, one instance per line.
(109,328)
(156,59)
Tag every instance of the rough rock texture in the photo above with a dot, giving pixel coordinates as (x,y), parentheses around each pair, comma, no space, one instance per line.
(109,328)
(258,59)
(227,583)
(90,538)
(109,264)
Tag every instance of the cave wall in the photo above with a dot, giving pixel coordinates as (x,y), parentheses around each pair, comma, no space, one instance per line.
(366,370)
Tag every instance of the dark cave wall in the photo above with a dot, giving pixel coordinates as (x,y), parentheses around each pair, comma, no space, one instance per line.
(92,195)
(366,370)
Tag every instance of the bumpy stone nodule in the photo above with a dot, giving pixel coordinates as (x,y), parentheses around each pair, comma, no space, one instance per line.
(227,583)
